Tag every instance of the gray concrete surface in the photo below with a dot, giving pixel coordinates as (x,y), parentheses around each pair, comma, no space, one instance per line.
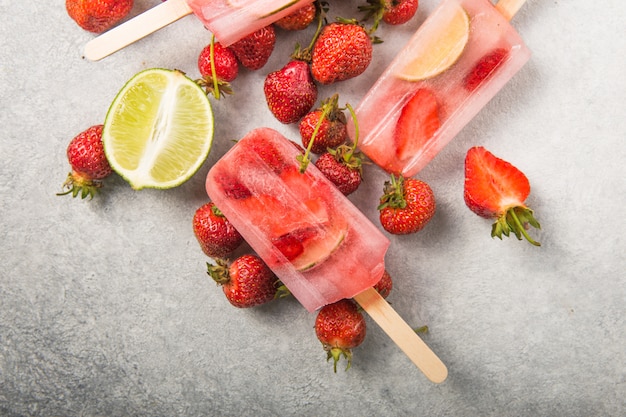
(106,310)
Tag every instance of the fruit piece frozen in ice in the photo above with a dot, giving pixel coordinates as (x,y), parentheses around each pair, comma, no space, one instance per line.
(485,67)
(418,122)
(441,45)
(308,247)
(158,130)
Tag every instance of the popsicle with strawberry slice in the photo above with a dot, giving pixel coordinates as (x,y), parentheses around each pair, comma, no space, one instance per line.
(458,59)
(312,237)
(228,20)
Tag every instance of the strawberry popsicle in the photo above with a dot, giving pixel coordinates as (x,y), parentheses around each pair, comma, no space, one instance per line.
(458,59)
(228,20)
(313,238)
(319,244)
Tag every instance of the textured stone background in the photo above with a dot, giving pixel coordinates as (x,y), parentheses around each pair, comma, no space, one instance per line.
(105,308)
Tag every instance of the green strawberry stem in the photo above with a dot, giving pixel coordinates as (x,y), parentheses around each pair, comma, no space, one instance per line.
(216,90)
(515,220)
(78,184)
(305,54)
(348,156)
(421,330)
(393,195)
(336,353)
(304,159)
(374,9)
(219,272)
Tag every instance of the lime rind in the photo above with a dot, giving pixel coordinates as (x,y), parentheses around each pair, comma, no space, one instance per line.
(319,250)
(159,129)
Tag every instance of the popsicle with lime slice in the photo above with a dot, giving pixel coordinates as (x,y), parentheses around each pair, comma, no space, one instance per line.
(228,20)
(314,239)
(457,61)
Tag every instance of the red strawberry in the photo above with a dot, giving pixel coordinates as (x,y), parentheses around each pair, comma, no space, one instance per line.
(290,92)
(484,67)
(342,168)
(246,282)
(495,189)
(392,12)
(342,51)
(340,327)
(98,15)
(85,154)
(298,20)
(398,12)
(418,122)
(406,206)
(215,234)
(332,130)
(254,50)
(226,68)
(384,285)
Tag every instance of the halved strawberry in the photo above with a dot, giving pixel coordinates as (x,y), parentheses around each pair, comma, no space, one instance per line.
(418,122)
(495,189)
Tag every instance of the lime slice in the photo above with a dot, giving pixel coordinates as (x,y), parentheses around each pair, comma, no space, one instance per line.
(318,250)
(158,130)
(441,42)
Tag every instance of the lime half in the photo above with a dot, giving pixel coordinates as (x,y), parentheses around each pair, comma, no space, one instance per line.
(158,130)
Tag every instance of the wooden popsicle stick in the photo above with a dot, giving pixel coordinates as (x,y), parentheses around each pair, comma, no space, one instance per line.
(402,334)
(508,8)
(136,28)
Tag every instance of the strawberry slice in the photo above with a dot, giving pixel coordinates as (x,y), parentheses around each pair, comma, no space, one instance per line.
(418,122)
(495,189)
(484,67)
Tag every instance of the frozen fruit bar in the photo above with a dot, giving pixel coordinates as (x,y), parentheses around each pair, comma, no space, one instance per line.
(315,240)
(458,59)
(228,20)
(231,20)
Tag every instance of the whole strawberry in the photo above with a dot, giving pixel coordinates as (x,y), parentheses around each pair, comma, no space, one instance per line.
(290,92)
(398,12)
(222,60)
(298,20)
(384,285)
(85,154)
(495,189)
(98,15)
(253,51)
(246,282)
(392,12)
(340,327)
(328,122)
(215,234)
(342,167)
(342,51)
(406,205)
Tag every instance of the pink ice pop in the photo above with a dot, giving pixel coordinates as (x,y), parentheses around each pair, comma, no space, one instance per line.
(314,239)
(458,59)
(228,20)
